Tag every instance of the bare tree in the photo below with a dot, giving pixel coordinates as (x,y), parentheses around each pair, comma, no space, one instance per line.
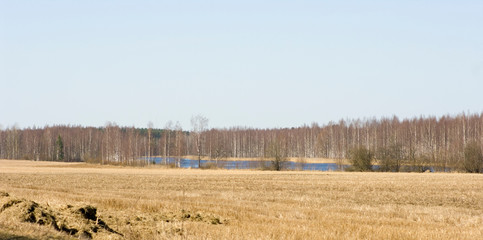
(167,140)
(199,123)
(177,143)
(150,128)
(277,154)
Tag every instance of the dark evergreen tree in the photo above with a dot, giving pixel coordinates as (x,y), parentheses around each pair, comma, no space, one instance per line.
(60,149)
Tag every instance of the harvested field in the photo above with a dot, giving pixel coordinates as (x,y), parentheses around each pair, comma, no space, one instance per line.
(155,203)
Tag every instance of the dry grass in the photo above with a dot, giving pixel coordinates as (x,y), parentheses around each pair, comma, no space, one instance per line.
(143,203)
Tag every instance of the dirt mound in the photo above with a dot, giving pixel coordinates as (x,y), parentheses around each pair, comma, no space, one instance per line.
(81,222)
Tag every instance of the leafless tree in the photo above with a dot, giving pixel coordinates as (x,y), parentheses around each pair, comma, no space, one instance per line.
(178,138)
(168,128)
(150,128)
(199,124)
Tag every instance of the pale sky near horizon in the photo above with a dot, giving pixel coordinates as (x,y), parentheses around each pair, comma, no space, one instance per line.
(258,64)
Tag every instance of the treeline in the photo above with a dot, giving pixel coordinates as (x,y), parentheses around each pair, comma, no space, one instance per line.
(410,144)
(415,144)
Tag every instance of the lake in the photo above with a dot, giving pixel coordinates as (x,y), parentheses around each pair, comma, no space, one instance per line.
(188,163)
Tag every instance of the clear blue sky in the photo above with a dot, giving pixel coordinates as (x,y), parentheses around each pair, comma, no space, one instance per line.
(239,63)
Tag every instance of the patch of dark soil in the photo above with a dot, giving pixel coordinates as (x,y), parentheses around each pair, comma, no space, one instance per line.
(70,231)
(9,204)
(88,212)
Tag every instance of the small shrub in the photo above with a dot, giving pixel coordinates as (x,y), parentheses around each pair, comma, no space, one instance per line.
(473,158)
(361,159)
(390,158)
(278,163)
(209,165)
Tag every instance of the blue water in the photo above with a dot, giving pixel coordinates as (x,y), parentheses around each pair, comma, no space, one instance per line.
(188,163)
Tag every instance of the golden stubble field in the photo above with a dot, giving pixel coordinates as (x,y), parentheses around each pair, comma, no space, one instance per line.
(156,203)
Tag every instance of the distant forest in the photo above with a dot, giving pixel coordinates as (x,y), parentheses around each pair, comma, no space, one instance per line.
(441,143)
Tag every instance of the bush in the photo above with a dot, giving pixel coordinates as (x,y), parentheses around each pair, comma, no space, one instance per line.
(209,165)
(361,159)
(278,163)
(390,158)
(277,154)
(473,158)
